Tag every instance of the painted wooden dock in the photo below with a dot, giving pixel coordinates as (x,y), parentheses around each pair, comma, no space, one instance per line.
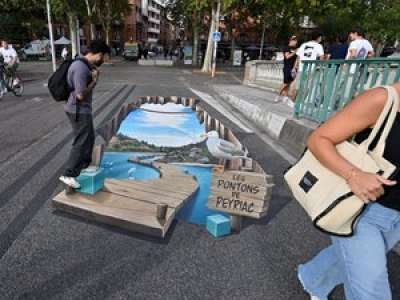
(148,206)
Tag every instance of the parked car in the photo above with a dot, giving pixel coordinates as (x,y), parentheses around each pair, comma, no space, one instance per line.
(35,50)
(388,51)
(131,51)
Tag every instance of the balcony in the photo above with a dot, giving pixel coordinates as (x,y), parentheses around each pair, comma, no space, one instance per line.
(154,20)
(155,10)
(152,40)
(153,30)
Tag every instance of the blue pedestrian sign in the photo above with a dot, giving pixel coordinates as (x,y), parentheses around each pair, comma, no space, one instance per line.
(216,36)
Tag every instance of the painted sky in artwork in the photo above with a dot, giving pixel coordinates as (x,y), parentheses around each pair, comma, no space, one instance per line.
(168,125)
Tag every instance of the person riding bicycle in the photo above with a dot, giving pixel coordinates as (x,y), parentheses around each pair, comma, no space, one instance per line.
(10,57)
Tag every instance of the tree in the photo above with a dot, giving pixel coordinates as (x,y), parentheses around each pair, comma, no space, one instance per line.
(190,14)
(71,9)
(91,7)
(218,8)
(20,19)
(111,11)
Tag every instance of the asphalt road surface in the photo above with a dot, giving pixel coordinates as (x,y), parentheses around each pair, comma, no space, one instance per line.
(51,255)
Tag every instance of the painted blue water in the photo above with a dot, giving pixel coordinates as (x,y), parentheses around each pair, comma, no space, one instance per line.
(196,211)
(116,165)
(168,125)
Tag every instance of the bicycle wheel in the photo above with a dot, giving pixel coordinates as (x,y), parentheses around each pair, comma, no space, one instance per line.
(18,89)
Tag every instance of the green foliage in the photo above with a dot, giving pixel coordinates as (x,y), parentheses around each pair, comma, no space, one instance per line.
(380,19)
(20,18)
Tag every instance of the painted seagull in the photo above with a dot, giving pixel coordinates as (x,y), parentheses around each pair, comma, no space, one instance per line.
(222,149)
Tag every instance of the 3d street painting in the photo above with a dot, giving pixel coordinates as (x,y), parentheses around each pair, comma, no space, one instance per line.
(161,159)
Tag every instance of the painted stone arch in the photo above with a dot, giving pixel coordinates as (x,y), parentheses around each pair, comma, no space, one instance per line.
(110,128)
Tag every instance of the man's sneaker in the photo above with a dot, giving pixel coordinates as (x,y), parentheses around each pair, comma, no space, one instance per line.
(90,169)
(277,99)
(70,181)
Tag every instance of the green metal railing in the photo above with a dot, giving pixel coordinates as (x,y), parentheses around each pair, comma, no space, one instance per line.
(327,86)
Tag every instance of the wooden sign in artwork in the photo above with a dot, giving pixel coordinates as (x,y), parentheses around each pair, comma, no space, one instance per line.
(241,193)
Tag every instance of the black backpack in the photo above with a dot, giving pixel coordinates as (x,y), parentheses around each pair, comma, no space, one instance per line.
(58,82)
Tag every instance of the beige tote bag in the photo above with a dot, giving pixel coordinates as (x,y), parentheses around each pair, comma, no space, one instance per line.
(326,197)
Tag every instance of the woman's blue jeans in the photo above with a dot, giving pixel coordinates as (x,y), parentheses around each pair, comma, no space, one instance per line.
(359,262)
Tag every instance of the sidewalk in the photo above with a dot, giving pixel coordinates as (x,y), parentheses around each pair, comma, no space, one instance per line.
(275,118)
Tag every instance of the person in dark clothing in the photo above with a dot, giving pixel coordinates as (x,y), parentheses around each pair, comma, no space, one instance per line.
(289,61)
(82,79)
(145,52)
(339,49)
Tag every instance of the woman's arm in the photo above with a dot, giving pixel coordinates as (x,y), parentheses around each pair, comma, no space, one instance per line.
(289,55)
(358,115)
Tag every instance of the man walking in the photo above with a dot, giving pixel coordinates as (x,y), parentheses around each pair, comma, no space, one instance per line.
(311,50)
(82,79)
(359,48)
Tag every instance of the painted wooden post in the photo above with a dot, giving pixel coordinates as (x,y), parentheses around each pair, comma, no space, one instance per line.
(161,212)
(206,120)
(114,125)
(192,103)
(209,123)
(97,154)
(217,125)
(236,164)
(221,130)
(69,190)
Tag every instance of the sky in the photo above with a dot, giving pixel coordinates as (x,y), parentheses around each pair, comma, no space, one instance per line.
(163,129)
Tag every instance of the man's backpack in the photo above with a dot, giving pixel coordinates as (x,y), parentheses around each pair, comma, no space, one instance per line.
(58,82)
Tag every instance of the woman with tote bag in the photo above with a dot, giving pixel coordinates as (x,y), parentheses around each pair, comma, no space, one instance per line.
(358,261)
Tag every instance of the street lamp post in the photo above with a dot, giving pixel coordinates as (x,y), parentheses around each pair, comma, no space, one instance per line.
(53,52)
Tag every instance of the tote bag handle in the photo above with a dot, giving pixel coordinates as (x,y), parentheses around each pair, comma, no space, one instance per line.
(389,112)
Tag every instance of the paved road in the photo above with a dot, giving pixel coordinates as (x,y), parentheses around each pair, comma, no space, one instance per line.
(51,255)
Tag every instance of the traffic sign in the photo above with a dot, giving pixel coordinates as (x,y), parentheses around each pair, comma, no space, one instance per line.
(216,36)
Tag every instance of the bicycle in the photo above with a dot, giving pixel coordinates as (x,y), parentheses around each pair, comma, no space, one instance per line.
(10,82)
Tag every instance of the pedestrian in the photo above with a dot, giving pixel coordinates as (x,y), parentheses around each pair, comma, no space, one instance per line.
(359,262)
(82,78)
(359,48)
(64,53)
(311,50)
(289,61)
(11,61)
(339,49)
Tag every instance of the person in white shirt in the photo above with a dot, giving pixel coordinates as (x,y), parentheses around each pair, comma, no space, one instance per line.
(64,53)
(359,48)
(311,50)
(9,54)
(10,57)
(10,60)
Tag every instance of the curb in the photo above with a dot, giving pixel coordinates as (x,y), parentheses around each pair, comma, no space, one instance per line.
(288,132)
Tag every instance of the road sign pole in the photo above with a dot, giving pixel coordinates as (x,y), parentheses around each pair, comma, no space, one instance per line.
(53,52)
(214,65)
